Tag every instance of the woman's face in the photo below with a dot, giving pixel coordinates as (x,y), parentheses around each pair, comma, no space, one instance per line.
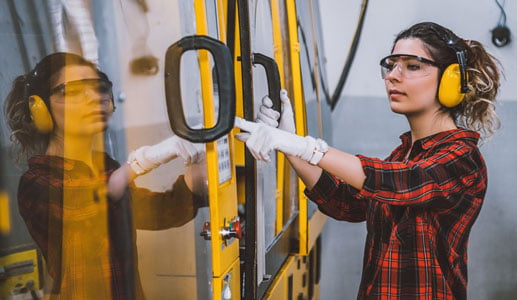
(80,101)
(417,94)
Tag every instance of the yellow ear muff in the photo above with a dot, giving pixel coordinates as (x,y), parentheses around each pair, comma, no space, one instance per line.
(40,115)
(449,91)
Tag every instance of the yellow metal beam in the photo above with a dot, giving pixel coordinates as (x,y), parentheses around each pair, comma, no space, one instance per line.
(222,196)
(299,113)
(5,220)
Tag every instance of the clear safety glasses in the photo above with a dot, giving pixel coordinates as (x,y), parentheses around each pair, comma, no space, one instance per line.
(409,66)
(74,91)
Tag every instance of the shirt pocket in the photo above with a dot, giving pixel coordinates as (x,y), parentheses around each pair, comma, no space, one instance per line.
(405,233)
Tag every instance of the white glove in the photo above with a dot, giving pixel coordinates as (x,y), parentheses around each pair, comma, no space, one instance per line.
(146,158)
(261,139)
(270,116)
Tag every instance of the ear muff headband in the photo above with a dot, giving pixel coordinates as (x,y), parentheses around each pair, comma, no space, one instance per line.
(449,90)
(40,115)
(453,83)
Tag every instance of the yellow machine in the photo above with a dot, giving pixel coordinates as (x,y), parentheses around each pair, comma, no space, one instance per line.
(188,68)
(285,239)
(20,273)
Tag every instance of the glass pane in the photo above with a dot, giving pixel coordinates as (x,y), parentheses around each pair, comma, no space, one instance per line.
(311,62)
(175,260)
(290,197)
(71,231)
(266,176)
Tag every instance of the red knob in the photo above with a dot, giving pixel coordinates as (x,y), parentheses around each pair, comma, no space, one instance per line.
(236,226)
(205,233)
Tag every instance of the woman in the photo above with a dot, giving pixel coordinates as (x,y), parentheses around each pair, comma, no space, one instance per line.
(420,203)
(79,204)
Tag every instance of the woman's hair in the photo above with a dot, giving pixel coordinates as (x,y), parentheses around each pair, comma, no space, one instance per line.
(477,110)
(38,81)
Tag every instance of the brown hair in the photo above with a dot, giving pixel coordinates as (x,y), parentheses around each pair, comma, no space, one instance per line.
(477,110)
(38,81)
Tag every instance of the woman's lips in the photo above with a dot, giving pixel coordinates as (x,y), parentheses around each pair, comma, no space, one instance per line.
(395,93)
(98,116)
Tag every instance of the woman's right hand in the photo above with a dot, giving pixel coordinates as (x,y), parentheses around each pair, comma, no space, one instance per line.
(269,116)
(146,158)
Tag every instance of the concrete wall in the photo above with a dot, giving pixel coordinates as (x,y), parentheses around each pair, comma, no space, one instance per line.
(363,123)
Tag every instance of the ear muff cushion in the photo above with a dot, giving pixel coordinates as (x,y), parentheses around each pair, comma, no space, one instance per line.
(40,115)
(449,91)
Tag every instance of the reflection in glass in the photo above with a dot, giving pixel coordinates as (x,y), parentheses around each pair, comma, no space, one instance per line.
(81,206)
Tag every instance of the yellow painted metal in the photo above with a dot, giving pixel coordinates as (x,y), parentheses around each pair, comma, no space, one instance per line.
(277,40)
(295,270)
(299,113)
(222,197)
(293,280)
(221,15)
(278,289)
(297,88)
(204,65)
(222,209)
(316,223)
(231,277)
(5,220)
(239,102)
(9,283)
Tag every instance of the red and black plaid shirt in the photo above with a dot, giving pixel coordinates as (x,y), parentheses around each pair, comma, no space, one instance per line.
(88,241)
(418,212)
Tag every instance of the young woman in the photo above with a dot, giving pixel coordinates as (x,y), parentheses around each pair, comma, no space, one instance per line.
(79,204)
(420,203)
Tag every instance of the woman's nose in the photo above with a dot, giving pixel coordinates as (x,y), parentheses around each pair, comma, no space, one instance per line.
(394,74)
(95,95)
(97,99)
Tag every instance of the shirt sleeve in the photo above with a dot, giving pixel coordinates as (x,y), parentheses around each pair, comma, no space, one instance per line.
(163,210)
(42,216)
(440,178)
(337,199)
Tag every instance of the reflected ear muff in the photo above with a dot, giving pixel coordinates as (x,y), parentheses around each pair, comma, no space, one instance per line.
(449,90)
(40,115)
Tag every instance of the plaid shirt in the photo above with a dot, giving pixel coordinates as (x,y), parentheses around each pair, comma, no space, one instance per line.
(418,213)
(87,240)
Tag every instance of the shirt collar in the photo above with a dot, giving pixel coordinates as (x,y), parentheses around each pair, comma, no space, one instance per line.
(61,164)
(440,137)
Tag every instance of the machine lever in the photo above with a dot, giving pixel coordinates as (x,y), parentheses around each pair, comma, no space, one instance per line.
(273,77)
(225,82)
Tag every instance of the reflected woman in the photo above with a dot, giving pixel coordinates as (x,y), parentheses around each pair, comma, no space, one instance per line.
(79,204)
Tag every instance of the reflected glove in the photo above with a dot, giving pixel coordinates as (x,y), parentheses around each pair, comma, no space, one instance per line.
(261,139)
(146,158)
(269,116)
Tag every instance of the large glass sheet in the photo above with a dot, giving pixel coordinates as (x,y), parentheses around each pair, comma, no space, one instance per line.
(266,176)
(172,261)
(71,234)
(310,63)
(323,82)
(290,194)
(307,63)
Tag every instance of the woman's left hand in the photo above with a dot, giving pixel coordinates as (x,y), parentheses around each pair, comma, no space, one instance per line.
(261,139)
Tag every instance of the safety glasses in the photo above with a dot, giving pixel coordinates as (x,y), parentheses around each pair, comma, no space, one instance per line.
(76,90)
(409,66)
